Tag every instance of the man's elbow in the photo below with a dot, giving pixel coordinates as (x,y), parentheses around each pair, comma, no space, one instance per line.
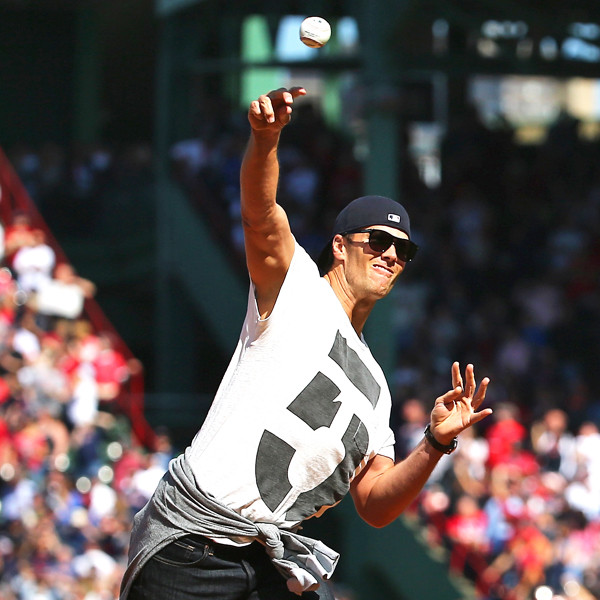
(376,518)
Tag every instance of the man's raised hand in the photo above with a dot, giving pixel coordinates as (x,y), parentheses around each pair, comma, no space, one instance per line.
(273,111)
(458,408)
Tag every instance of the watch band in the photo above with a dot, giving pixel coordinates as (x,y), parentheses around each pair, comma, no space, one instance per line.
(449,449)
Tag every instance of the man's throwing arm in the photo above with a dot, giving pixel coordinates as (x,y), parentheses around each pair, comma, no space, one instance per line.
(268,239)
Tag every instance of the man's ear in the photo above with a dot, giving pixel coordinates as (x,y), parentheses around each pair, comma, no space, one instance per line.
(338,247)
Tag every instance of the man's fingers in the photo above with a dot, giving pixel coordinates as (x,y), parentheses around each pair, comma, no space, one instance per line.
(470,376)
(297,91)
(266,108)
(450,397)
(480,396)
(479,416)
(255,108)
(275,105)
(262,109)
(456,376)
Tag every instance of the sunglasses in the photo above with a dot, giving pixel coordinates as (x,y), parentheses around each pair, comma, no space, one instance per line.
(379,241)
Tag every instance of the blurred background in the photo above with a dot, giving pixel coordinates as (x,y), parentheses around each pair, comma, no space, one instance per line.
(123,284)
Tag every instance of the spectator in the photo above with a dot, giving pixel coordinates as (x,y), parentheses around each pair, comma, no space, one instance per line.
(414,418)
(26,338)
(466,529)
(34,262)
(111,369)
(95,565)
(506,435)
(469,464)
(146,478)
(82,408)
(553,444)
(504,508)
(19,492)
(583,491)
(17,235)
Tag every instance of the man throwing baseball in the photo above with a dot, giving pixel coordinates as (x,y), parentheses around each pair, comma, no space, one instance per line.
(302,414)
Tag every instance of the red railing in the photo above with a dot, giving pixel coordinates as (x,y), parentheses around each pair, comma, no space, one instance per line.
(14,197)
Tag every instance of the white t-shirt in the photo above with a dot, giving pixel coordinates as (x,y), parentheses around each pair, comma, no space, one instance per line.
(33,265)
(301,409)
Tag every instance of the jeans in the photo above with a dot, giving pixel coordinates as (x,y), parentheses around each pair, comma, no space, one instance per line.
(195,568)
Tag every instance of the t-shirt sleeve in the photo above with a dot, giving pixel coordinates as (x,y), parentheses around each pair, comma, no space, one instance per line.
(387,447)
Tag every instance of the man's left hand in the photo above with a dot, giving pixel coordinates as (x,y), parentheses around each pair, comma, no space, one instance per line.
(458,409)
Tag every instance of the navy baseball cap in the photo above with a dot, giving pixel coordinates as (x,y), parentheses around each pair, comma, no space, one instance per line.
(364,212)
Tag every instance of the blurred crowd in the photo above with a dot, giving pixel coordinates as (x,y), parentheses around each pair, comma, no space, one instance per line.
(71,473)
(507,278)
(518,295)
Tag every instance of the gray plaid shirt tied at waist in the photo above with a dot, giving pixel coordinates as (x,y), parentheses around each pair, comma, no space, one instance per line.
(178,507)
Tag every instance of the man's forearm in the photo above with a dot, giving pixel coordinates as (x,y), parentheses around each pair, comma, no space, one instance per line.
(259,177)
(393,490)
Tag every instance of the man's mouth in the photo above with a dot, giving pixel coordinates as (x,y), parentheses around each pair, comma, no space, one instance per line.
(383,269)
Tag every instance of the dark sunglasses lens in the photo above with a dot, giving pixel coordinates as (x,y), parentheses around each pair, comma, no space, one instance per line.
(380,241)
(411,250)
(403,248)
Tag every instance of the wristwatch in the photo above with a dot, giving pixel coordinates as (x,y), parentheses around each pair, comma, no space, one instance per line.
(449,449)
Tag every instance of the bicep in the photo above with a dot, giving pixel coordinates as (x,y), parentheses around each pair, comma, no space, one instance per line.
(269,251)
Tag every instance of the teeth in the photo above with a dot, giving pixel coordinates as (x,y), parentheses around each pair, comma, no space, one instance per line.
(382,268)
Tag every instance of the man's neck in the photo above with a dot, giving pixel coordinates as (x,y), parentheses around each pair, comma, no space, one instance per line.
(358,311)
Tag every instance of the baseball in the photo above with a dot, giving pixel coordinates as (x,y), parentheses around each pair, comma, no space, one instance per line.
(315,32)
